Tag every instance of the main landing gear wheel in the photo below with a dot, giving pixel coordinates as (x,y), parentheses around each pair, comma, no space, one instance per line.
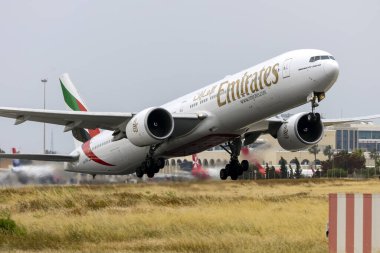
(223,174)
(150,174)
(150,166)
(234,168)
(245,165)
(139,172)
(160,163)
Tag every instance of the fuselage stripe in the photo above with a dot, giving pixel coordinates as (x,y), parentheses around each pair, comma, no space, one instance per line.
(90,154)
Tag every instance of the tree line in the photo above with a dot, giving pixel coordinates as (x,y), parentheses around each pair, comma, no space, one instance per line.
(337,164)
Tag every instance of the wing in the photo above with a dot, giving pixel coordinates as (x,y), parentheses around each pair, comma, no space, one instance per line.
(272,124)
(41,157)
(330,122)
(264,125)
(113,121)
(69,119)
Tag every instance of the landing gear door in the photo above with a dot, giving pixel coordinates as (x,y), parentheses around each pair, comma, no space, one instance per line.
(286,68)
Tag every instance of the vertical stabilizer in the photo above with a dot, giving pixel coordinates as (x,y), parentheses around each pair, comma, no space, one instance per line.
(196,164)
(15,162)
(75,103)
(198,171)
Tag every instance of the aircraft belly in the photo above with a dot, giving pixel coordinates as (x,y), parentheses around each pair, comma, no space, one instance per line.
(200,144)
(120,157)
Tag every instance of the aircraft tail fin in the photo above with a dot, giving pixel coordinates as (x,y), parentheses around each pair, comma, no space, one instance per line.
(198,171)
(15,162)
(75,103)
(195,162)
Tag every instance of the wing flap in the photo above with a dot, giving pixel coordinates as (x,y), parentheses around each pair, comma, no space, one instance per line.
(42,157)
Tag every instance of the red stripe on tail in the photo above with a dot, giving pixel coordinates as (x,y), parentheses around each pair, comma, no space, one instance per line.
(92,132)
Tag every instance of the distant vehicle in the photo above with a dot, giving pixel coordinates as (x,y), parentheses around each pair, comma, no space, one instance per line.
(238,108)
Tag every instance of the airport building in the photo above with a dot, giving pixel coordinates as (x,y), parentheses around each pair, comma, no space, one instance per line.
(365,136)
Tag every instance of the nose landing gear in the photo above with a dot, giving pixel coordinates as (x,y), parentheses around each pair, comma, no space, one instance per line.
(315,98)
(313,116)
(234,168)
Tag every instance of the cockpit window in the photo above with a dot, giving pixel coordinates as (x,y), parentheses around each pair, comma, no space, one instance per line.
(323,57)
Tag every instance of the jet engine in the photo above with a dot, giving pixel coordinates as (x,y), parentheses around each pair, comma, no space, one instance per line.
(149,127)
(301,131)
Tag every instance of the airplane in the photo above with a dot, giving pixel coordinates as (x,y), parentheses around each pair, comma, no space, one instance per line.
(197,169)
(235,110)
(44,173)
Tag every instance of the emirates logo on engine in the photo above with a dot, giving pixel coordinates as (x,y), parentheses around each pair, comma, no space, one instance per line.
(135,125)
(285,131)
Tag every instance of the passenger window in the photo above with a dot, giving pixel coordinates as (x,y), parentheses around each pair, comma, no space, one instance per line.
(316,58)
(325,57)
(312,59)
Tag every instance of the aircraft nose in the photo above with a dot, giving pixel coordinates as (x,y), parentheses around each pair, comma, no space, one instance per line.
(331,68)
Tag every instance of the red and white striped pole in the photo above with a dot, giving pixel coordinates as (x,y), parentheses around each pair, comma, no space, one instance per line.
(354,223)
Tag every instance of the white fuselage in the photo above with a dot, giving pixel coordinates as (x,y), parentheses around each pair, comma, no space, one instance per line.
(234,105)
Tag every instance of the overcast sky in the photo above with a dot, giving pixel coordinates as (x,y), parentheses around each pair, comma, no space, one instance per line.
(128,55)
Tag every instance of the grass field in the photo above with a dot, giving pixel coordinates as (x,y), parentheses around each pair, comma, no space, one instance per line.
(242,216)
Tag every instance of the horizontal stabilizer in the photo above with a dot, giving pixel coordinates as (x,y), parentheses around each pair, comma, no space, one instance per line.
(42,157)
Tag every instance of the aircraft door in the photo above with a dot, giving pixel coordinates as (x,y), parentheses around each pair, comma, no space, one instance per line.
(286,68)
(182,106)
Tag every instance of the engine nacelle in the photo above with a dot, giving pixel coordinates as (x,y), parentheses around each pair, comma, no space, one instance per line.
(300,132)
(149,127)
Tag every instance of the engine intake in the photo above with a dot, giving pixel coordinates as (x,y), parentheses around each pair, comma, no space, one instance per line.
(150,126)
(300,131)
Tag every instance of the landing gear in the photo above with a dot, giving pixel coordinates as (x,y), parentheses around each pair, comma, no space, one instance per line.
(234,168)
(150,166)
(93,176)
(313,116)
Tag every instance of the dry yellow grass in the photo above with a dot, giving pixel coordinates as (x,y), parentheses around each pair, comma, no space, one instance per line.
(263,216)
